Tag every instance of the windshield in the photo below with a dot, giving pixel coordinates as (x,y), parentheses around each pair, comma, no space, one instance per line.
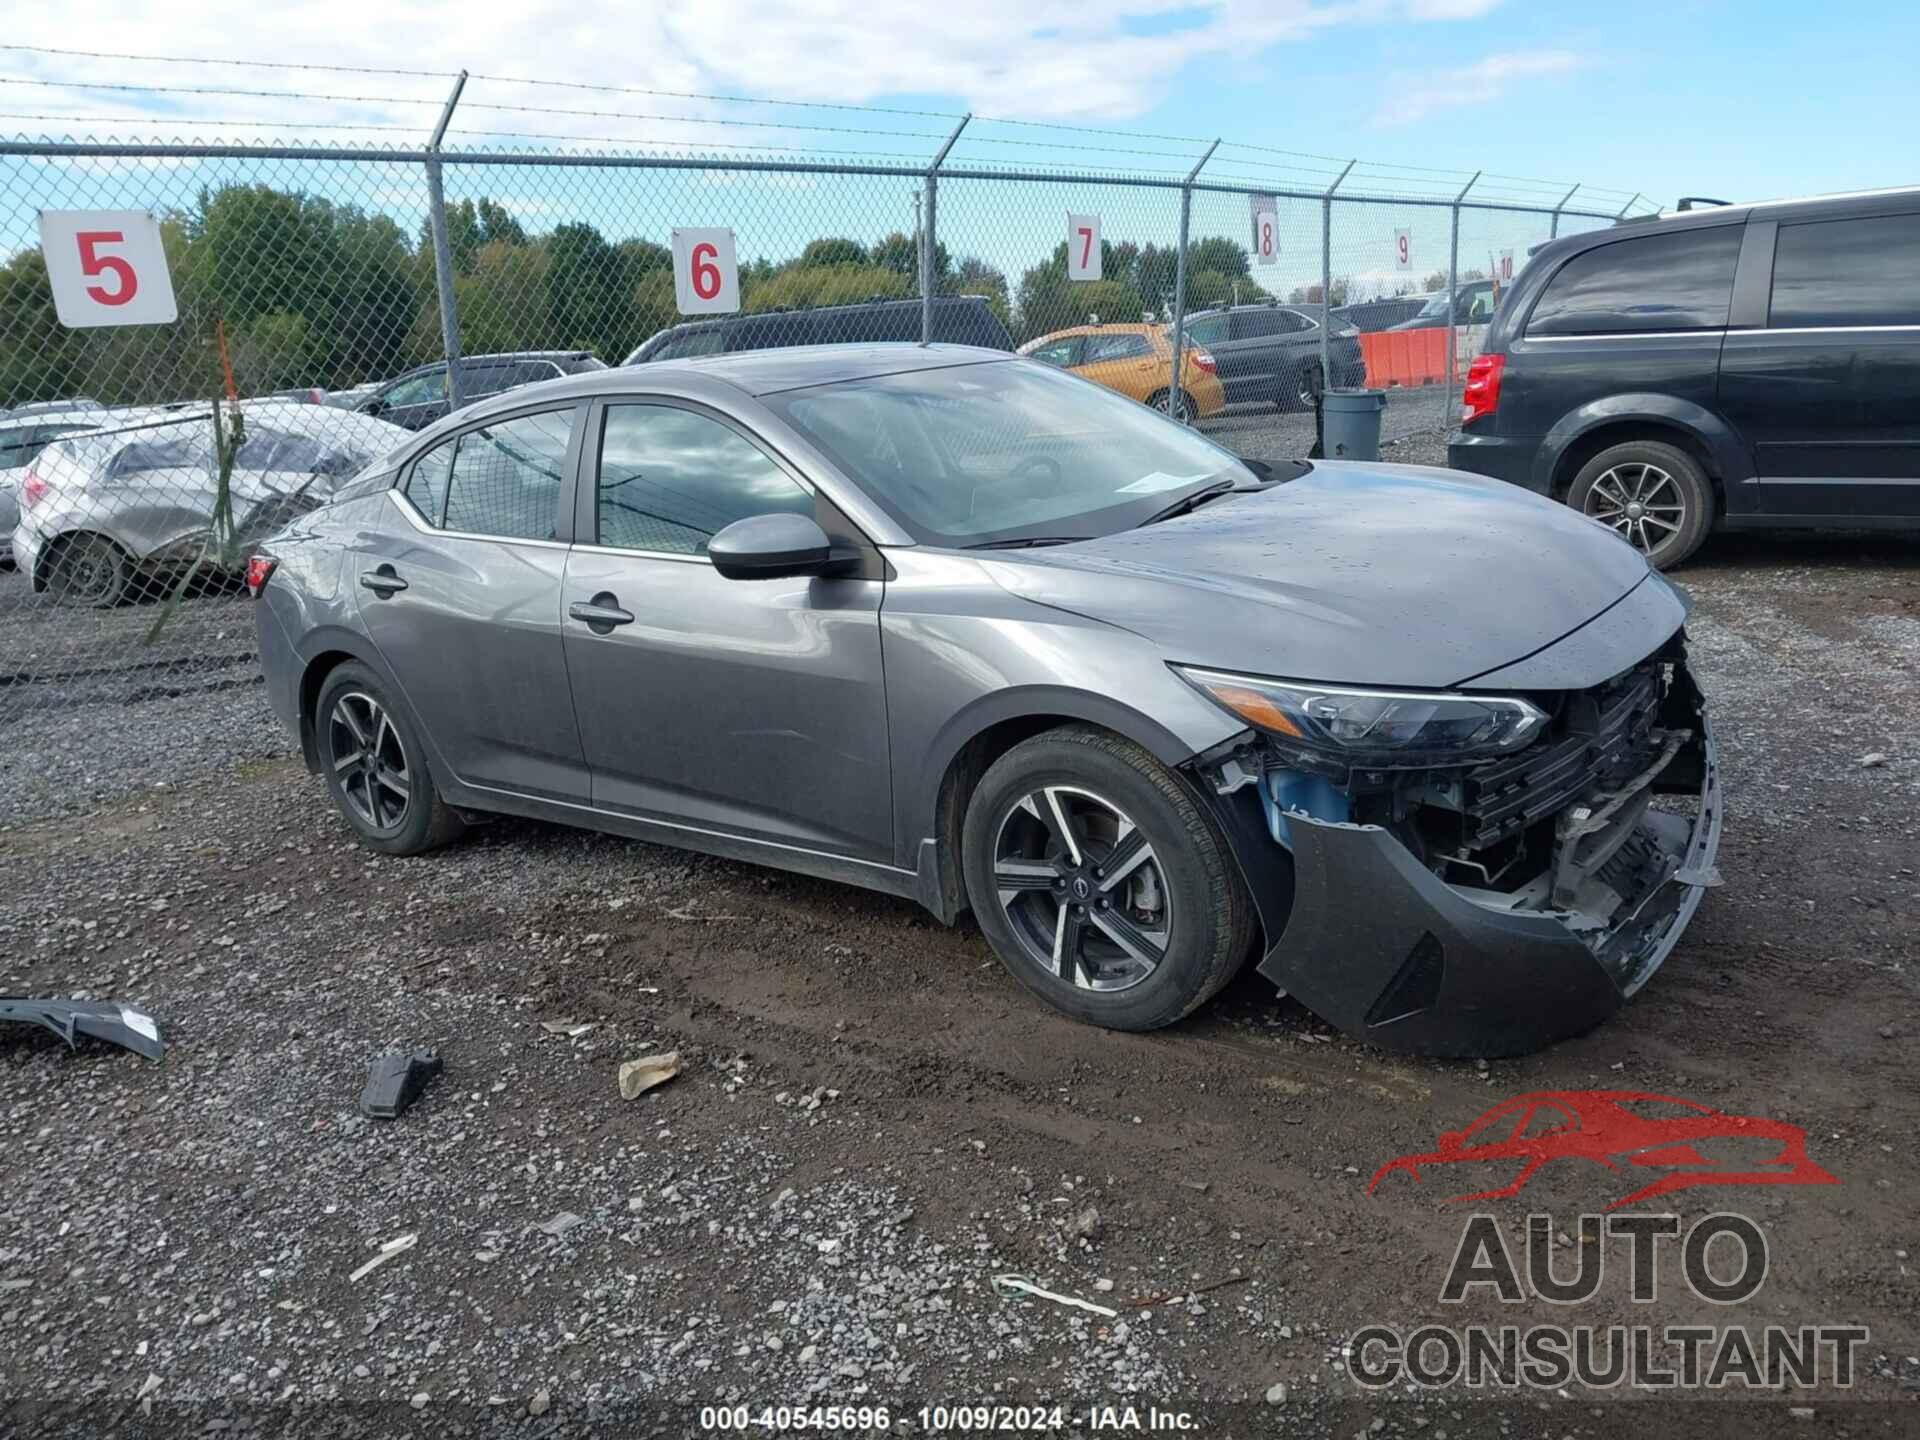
(1437,305)
(973,454)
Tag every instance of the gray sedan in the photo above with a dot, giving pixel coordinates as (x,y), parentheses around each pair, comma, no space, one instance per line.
(958,627)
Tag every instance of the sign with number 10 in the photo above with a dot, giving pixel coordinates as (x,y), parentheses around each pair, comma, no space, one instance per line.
(706,277)
(1083,247)
(106,267)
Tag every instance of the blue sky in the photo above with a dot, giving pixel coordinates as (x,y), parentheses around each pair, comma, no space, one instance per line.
(1735,98)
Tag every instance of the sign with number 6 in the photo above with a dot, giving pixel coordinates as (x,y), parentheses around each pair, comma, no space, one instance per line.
(1266,230)
(706,277)
(107,267)
(1083,247)
(1403,250)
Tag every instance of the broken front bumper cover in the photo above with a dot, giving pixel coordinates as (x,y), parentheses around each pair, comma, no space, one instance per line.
(1380,946)
(123,1025)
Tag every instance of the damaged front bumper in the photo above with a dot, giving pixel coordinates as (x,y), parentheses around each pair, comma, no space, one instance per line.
(1379,944)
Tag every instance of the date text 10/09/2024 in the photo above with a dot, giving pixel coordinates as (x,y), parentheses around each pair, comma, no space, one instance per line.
(959,1419)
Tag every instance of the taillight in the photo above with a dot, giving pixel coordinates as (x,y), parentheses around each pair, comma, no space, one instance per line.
(1481,395)
(259,571)
(1203,360)
(33,489)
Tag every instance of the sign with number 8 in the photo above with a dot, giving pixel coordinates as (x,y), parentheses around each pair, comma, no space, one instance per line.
(107,267)
(706,277)
(1266,230)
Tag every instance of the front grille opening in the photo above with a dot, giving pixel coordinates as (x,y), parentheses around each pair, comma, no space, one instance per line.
(1415,986)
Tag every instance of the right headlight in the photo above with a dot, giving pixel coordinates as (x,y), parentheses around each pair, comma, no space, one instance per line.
(1375,727)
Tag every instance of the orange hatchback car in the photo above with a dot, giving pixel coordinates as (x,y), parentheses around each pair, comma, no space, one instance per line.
(1136,360)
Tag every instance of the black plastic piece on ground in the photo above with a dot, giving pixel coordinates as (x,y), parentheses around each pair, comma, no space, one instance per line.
(395,1081)
(108,1020)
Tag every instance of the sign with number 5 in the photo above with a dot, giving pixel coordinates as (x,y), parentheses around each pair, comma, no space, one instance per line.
(706,277)
(1083,247)
(107,267)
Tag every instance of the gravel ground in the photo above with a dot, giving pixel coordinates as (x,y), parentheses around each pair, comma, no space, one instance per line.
(873,1119)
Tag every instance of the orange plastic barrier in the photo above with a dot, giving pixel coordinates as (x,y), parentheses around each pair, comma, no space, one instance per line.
(1399,358)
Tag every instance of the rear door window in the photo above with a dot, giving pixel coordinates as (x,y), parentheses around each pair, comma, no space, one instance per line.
(506,478)
(1255,324)
(1680,281)
(1115,347)
(1847,273)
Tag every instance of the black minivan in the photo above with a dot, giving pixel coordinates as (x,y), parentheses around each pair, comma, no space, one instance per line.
(957,320)
(1751,366)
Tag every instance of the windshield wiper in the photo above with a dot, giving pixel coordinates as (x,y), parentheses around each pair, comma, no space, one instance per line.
(1028,542)
(1190,502)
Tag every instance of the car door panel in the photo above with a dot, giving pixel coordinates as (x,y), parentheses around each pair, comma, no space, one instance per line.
(756,707)
(472,622)
(1824,390)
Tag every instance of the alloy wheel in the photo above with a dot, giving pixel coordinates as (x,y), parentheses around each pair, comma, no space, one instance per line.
(1175,407)
(369,762)
(88,573)
(1642,502)
(1082,888)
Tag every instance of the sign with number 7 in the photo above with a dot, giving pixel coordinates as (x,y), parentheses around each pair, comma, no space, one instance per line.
(1083,247)
(107,267)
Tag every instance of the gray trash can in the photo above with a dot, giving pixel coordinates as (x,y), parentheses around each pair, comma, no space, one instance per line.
(1352,421)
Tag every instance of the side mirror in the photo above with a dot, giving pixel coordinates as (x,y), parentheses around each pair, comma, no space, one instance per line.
(770,547)
(372,405)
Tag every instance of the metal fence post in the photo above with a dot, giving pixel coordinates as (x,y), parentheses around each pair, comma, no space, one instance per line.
(1326,273)
(442,251)
(1453,290)
(1180,277)
(927,233)
(1553,231)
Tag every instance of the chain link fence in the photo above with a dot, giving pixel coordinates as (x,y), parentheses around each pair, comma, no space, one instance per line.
(317,276)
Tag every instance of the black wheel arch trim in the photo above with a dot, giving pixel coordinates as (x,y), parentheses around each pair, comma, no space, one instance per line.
(1732,460)
(928,831)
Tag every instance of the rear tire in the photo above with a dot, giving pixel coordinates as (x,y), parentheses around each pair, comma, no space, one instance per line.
(1303,389)
(1653,495)
(88,570)
(1146,924)
(1181,411)
(376,766)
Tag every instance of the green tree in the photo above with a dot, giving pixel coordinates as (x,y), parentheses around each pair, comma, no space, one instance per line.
(1217,253)
(804,287)
(586,292)
(833,250)
(1049,301)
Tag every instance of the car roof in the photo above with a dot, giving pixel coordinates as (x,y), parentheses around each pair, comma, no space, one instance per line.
(765,372)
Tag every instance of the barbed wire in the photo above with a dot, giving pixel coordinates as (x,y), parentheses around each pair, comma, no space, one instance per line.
(222,60)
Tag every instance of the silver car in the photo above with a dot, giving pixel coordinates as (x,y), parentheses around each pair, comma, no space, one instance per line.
(22,438)
(109,511)
(959,627)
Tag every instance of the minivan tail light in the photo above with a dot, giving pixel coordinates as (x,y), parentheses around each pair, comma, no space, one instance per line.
(1481,395)
(259,570)
(33,489)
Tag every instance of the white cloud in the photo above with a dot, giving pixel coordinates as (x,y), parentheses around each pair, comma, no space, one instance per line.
(1414,99)
(1030,59)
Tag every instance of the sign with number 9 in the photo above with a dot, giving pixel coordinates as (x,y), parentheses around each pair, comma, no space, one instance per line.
(706,277)
(107,267)
(1403,250)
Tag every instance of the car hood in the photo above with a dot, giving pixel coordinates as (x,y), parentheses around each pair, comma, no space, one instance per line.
(1367,574)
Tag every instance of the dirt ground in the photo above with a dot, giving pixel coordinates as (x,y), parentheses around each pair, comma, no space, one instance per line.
(874,1119)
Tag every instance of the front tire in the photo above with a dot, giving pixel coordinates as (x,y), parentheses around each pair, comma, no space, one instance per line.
(376,766)
(1303,391)
(1655,496)
(1100,882)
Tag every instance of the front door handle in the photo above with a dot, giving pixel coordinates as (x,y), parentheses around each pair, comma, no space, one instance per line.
(601,613)
(382,581)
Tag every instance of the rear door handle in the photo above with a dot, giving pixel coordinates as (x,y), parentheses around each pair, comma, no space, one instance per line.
(601,613)
(383,581)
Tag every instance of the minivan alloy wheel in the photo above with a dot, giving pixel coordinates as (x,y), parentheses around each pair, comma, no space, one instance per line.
(1082,889)
(369,761)
(1641,501)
